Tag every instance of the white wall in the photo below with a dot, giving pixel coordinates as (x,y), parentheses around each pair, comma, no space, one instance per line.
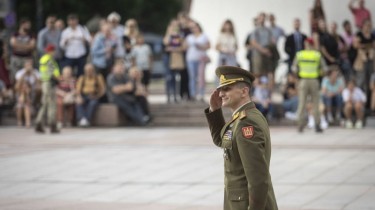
(212,13)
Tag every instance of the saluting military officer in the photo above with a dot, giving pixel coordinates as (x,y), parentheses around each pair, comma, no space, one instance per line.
(245,140)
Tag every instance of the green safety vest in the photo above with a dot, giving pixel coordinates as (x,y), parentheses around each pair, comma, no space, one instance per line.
(308,62)
(48,67)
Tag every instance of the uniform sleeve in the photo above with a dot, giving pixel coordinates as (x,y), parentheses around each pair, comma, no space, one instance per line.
(216,122)
(252,154)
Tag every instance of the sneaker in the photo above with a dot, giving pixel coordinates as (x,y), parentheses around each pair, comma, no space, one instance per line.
(146,119)
(83,122)
(311,122)
(359,124)
(291,115)
(323,122)
(330,117)
(349,124)
(59,125)
(54,129)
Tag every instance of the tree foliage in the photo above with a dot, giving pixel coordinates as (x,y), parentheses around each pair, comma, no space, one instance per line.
(152,15)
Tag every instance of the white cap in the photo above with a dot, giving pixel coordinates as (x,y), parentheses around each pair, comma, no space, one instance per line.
(114,16)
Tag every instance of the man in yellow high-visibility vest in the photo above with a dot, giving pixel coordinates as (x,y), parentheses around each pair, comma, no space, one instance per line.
(309,64)
(49,74)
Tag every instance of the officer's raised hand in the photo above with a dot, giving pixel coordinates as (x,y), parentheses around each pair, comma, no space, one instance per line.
(215,101)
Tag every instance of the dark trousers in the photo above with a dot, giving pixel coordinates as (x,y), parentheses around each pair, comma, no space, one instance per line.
(78,63)
(144,104)
(184,88)
(146,77)
(131,109)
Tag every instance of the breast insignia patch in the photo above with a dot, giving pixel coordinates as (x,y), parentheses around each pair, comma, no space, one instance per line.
(247,132)
(228,135)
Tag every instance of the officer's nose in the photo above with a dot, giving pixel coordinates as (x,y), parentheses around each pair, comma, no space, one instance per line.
(221,93)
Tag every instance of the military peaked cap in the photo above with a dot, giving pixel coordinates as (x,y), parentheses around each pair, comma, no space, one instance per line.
(231,74)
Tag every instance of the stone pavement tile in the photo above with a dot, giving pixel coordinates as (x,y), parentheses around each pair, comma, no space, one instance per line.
(119,206)
(117,193)
(197,207)
(303,195)
(20,188)
(82,192)
(194,195)
(298,168)
(366,201)
(283,189)
(338,197)
(348,168)
(33,204)
(152,194)
(49,190)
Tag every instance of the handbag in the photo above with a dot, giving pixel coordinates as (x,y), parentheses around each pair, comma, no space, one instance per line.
(176,61)
(69,99)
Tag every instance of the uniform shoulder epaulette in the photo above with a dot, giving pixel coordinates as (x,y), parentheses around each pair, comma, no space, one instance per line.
(242,114)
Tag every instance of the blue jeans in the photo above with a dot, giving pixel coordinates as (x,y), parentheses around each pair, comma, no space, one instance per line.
(87,108)
(193,70)
(291,104)
(334,100)
(265,111)
(170,78)
(132,109)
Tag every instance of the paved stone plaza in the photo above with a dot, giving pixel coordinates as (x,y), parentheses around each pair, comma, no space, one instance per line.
(177,169)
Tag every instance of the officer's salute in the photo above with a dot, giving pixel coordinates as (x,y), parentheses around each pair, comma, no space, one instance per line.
(245,140)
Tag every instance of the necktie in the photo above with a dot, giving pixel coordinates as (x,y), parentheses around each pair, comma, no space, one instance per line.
(297,39)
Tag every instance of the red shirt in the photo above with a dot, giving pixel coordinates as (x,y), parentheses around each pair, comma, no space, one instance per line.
(360,14)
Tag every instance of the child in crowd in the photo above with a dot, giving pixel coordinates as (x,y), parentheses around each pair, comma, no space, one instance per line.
(354,99)
(65,97)
(32,76)
(24,102)
(143,59)
(262,95)
(129,58)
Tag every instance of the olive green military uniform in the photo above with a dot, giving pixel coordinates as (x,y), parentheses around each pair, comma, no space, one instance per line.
(247,151)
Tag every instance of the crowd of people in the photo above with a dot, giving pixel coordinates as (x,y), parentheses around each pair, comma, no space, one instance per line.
(346,80)
(77,69)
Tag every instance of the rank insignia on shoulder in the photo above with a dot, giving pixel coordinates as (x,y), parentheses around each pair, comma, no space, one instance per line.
(242,115)
(247,132)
